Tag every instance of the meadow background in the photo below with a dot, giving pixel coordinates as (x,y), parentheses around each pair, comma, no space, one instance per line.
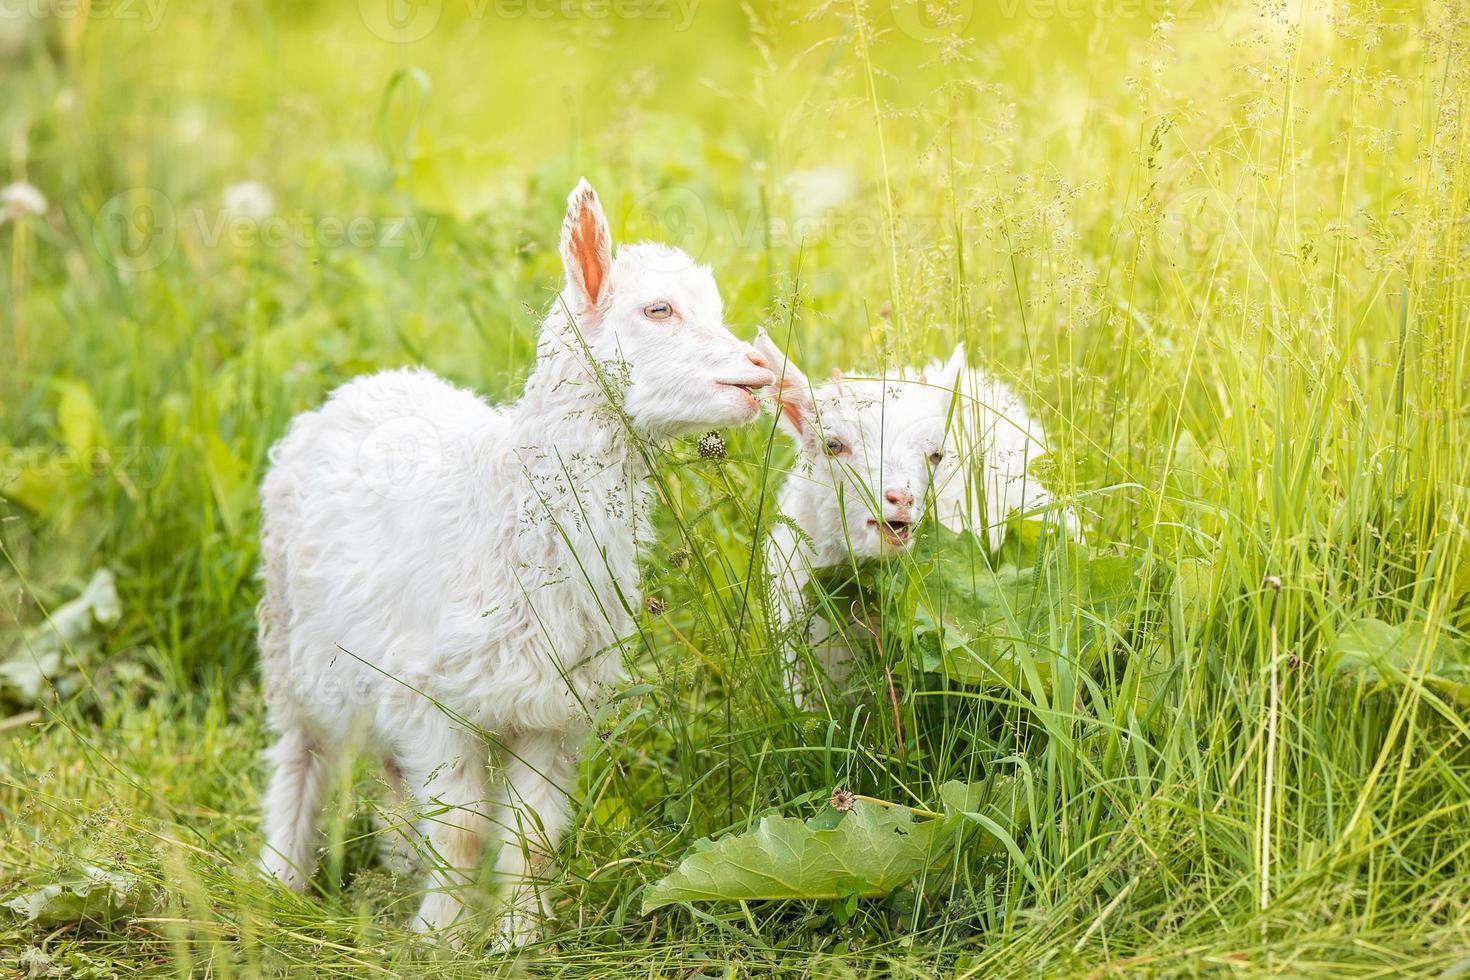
(1222,248)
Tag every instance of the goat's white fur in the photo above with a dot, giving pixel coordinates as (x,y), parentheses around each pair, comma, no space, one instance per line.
(435,568)
(888,432)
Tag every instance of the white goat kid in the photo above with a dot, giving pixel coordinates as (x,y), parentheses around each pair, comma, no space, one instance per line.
(434,566)
(872,456)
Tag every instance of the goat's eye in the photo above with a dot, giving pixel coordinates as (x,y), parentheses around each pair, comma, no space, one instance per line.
(835,447)
(658,311)
(936,457)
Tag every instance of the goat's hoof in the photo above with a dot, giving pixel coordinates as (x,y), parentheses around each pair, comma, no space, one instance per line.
(515,929)
(432,937)
(439,922)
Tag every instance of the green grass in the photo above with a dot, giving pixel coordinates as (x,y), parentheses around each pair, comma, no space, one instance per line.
(1224,253)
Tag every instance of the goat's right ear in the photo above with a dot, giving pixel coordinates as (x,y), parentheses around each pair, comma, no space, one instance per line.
(586,250)
(792,390)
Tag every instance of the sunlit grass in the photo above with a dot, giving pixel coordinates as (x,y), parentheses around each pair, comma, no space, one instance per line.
(1223,253)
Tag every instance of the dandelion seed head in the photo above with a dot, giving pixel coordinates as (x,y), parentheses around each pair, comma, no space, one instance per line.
(248,200)
(21,199)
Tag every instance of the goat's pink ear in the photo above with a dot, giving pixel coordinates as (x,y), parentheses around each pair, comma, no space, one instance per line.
(586,249)
(792,390)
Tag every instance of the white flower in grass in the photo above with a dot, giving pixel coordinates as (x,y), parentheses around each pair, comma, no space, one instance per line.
(815,191)
(248,200)
(21,198)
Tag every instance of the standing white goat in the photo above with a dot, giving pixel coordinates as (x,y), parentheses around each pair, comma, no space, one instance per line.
(435,567)
(872,454)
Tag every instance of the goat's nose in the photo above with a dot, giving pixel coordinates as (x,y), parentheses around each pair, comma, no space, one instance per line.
(755,358)
(899,498)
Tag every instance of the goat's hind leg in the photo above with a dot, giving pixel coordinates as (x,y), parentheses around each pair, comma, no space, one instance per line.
(292,807)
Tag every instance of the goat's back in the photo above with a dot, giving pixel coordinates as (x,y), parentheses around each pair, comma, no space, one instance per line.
(362,517)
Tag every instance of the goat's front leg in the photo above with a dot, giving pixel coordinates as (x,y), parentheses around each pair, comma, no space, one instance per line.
(533,809)
(447,776)
(834,649)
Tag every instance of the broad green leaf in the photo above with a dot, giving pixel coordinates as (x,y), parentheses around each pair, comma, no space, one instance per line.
(40,485)
(1383,655)
(866,852)
(94,895)
(78,419)
(611,813)
(51,651)
(996,621)
(229,482)
(1195,583)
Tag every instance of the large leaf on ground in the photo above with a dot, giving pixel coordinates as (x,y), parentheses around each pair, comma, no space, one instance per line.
(93,894)
(54,654)
(1386,655)
(866,852)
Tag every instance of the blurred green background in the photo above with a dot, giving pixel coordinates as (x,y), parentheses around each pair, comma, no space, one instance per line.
(1220,247)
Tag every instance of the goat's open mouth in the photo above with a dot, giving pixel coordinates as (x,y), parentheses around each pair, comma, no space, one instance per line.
(894,532)
(747,388)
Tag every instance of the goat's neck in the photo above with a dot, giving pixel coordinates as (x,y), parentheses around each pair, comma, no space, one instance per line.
(573,444)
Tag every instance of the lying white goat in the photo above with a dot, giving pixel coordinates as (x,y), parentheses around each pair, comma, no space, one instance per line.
(872,455)
(434,566)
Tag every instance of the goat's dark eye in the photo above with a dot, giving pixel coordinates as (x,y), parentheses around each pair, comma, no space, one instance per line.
(658,311)
(936,457)
(835,447)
